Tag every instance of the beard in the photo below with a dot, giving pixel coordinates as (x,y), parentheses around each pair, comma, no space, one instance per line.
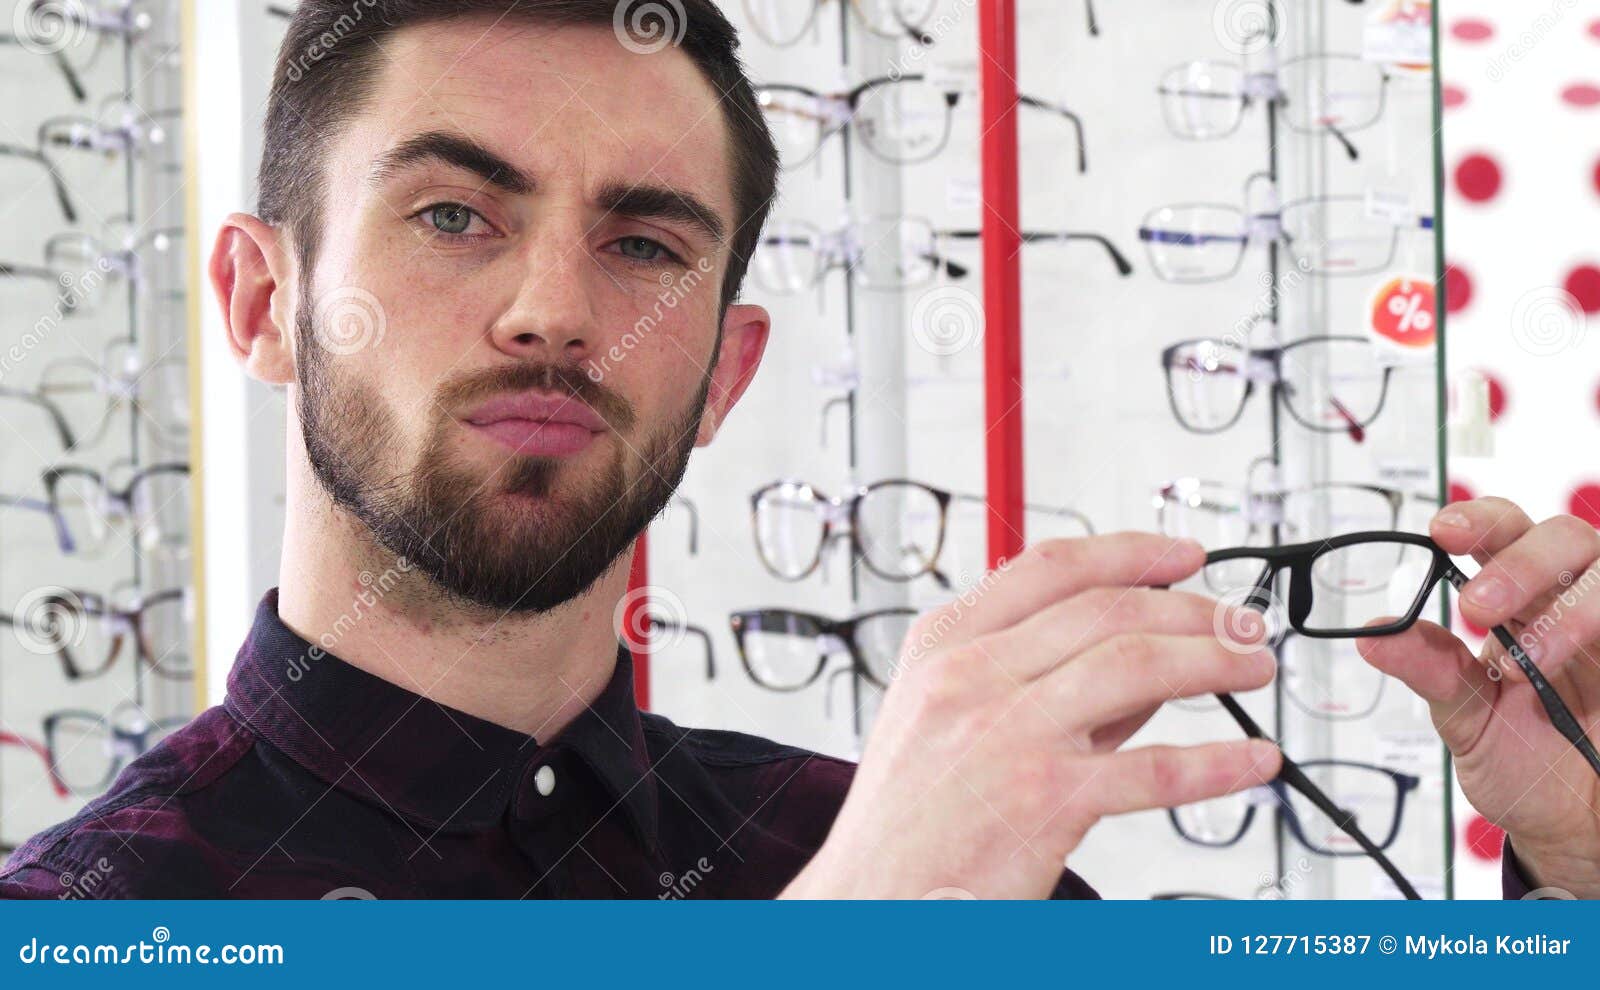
(525,536)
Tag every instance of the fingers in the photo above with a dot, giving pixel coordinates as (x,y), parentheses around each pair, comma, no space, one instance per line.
(1130,673)
(1168,776)
(1540,575)
(1053,570)
(1045,640)
(1428,659)
(1481,527)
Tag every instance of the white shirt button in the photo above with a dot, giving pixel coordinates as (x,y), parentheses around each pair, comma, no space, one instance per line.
(544,780)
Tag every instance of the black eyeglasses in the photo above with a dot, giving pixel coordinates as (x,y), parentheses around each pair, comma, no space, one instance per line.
(896,527)
(59,60)
(1316,94)
(1374,795)
(1337,589)
(87,633)
(660,624)
(784,650)
(901,119)
(153,503)
(86,750)
(1330,384)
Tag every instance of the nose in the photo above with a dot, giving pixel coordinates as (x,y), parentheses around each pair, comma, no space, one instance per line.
(551,317)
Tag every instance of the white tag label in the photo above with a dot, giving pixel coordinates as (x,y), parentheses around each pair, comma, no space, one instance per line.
(962,192)
(1409,752)
(954,77)
(1390,206)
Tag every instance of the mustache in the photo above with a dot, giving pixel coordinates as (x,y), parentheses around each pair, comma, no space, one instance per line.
(467,391)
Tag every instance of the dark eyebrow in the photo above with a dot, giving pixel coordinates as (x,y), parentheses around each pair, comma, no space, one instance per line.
(451,149)
(662,203)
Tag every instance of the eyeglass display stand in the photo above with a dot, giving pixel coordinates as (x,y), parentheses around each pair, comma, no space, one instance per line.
(142,182)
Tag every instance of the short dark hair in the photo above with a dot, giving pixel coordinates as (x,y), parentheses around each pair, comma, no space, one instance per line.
(329,59)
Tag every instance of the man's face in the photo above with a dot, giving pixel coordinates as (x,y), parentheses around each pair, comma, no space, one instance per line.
(505,347)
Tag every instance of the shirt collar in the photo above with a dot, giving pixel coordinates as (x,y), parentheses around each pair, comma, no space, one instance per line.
(413,756)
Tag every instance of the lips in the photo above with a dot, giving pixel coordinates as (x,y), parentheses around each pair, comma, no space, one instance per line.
(538,423)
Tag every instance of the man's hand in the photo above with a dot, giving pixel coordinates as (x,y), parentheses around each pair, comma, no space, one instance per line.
(996,747)
(1543,584)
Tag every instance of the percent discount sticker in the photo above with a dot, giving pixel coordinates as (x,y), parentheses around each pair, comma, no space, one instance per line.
(1403,313)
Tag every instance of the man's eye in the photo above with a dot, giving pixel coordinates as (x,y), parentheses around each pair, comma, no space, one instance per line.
(642,249)
(449,218)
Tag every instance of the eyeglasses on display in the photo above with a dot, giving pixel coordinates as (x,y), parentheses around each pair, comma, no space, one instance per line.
(152,504)
(89,396)
(119,127)
(896,527)
(58,184)
(59,60)
(1315,94)
(1218,515)
(1375,796)
(901,119)
(1330,236)
(659,624)
(88,633)
(58,420)
(888,253)
(784,650)
(1329,384)
(783,23)
(39,750)
(87,750)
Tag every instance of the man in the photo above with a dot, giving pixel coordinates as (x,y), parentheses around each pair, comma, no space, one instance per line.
(490,193)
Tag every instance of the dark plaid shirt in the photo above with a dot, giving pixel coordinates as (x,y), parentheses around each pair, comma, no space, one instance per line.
(316,779)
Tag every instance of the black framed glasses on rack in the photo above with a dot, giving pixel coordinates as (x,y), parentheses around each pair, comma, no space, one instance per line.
(1374,795)
(902,119)
(63,536)
(87,750)
(897,528)
(119,127)
(661,624)
(88,633)
(785,650)
(1327,236)
(1331,94)
(150,507)
(1328,384)
(52,412)
(885,252)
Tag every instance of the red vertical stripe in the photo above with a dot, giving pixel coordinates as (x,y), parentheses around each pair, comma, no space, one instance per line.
(1002,276)
(638,606)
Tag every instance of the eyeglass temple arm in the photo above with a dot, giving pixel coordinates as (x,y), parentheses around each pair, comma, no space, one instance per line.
(1124,267)
(1049,510)
(36,155)
(68,441)
(56,783)
(1061,111)
(1094,22)
(1560,715)
(657,623)
(60,59)
(1294,777)
(694,523)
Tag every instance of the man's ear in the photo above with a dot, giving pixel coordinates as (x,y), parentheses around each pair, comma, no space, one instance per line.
(254,280)
(744,339)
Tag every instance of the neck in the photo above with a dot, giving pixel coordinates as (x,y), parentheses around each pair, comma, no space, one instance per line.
(533,673)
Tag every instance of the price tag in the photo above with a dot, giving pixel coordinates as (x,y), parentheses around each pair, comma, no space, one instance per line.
(954,77)
(1390,206)
(1400,35)
(1411,751)
(1402,313)
(962,193)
